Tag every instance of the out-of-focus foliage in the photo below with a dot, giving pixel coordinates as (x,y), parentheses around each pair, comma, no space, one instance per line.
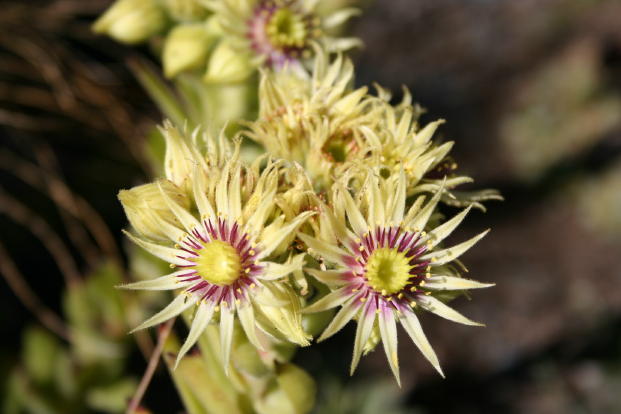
(89,373)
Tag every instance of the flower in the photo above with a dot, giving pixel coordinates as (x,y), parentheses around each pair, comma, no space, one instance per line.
(384,265)
(315,121)
(224,256)
(279,33)
(321,122)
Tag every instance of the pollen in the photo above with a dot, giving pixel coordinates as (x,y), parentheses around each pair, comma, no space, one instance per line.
(218,263)
(388,270)
(287,29)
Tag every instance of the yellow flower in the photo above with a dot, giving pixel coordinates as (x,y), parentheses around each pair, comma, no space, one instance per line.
(223,249)
(279,33)
(315,121)
(332,130)
(381,264)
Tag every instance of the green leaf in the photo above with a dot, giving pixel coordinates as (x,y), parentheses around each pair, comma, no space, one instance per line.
(40,350)
(111,398)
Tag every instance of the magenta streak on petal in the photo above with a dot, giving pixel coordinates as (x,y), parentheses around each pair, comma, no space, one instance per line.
(392,238)
(405,241)
(221,230)
(192,252)
(192,244)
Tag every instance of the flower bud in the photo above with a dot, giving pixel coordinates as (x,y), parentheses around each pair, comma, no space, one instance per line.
(284,312)
(180,159)
(185,10)
(185,48)
(145,207)
(227,65)
(131,21)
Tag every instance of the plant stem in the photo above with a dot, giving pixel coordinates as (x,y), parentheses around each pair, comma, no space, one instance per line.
(164,331)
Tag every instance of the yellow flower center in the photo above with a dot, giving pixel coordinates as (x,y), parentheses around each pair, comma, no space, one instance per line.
(388,270)
(218,263)
(287,29)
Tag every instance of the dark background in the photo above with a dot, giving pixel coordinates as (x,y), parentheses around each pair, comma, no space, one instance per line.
(531,90)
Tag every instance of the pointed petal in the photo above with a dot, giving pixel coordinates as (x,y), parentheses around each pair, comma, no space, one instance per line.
(420,221)
(388,330)
(257,220)
(363,332)
(434,305)
(202,317)
(248,322)
(414,209)
(271,241)
(174,308)
(187,220)
(412,326)
(347,312)
(331,278)
(166,282)
(440,257)
(454,283)
(275,271)
(339,17)
(377,212)
(356,219)
(171,231)
(222,201)
(441,232)
(165,253)
(329,252)
(226,334)
(425,134)
(235,194)
(199,186)
(398,206)
(331,300)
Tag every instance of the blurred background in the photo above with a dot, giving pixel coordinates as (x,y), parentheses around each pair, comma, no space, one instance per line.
(531,90)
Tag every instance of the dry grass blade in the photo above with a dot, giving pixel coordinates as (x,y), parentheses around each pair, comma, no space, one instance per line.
(164,331)
(62,195)
(27,296)
(39,228)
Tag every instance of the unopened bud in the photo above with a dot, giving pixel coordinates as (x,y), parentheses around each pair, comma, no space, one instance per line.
(227,65)
(186,48)
(146,207)
(131,21)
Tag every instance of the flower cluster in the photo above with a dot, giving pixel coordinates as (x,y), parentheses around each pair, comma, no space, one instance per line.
(340,212)
(226,247)
(226,40)
(333,130)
